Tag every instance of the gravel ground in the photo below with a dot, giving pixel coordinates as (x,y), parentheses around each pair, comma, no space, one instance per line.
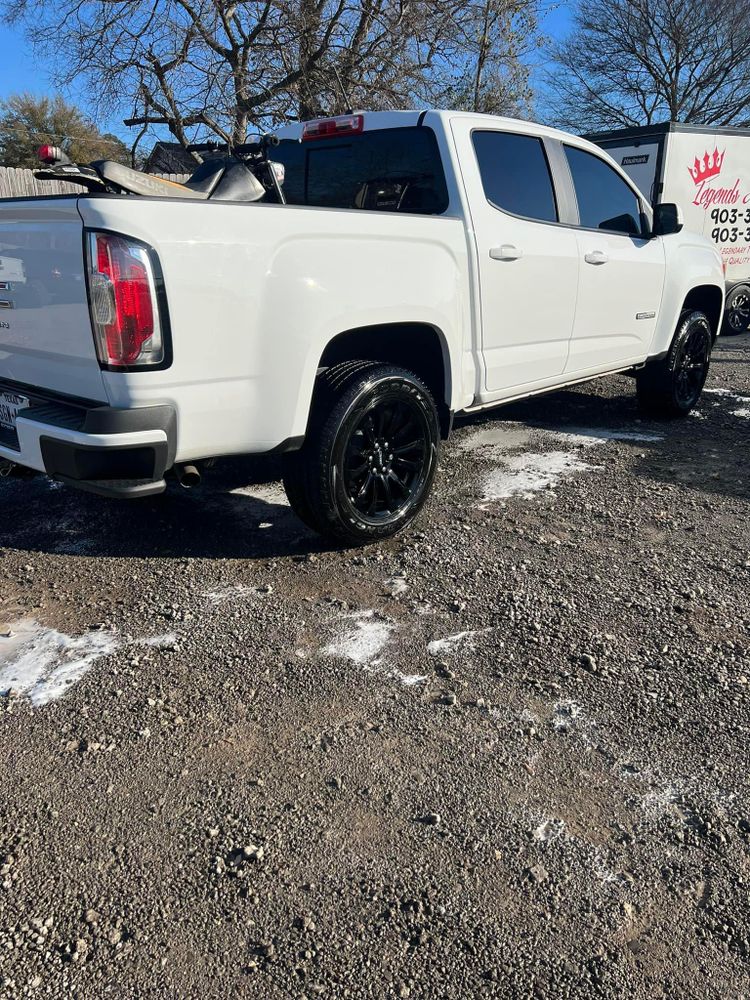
(504,754)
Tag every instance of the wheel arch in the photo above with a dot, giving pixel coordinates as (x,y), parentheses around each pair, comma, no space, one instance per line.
(709,299)
(419,347)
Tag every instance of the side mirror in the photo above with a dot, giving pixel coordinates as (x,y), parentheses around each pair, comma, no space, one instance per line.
(667,219)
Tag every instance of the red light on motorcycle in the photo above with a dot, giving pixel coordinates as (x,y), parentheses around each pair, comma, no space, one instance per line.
(329,128)
(123,303)
(49,154)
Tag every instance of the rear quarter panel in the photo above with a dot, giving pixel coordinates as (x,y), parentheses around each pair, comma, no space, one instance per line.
(255,293)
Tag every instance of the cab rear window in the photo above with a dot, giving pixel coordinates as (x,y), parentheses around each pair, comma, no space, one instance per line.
(388,170)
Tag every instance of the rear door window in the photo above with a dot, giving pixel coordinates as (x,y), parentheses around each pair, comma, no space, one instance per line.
(515,174)
(387,170)
(605,201)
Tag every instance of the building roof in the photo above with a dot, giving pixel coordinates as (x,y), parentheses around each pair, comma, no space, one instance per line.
(171,158)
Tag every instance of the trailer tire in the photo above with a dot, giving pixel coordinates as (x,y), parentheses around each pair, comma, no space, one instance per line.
(671,386)
(370,455)
(737,310)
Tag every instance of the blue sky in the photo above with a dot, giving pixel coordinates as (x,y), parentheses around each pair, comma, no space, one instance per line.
(19,71)
(557,21)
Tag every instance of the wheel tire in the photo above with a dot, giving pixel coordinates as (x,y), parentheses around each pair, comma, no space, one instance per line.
(344,483)
(294,463)
(737,310)
(671,387)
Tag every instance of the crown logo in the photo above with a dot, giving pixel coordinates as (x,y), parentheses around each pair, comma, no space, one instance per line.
(709,166)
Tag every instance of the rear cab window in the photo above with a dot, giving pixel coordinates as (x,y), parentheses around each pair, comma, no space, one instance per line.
(515,174)
(605,201)
(385,170)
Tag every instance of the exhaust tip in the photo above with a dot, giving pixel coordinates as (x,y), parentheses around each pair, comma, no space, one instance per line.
(188,476)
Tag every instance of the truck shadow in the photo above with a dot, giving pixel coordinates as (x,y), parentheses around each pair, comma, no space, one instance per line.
(240,511)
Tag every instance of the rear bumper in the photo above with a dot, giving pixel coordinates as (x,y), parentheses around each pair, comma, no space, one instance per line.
(113,452)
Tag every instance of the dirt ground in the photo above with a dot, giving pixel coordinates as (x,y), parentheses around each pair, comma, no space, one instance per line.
(502,755)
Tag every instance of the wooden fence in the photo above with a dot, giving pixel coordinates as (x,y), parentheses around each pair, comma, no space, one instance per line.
(16,182)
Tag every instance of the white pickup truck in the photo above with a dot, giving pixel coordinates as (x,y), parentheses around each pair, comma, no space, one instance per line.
(425,263)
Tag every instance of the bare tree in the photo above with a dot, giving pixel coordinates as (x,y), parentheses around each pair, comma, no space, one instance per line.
(634,62)
(226,67)
(484,65)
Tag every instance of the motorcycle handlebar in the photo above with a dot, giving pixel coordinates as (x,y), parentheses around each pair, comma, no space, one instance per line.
(243,149)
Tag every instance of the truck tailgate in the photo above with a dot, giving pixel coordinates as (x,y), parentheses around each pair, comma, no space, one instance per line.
(45,328)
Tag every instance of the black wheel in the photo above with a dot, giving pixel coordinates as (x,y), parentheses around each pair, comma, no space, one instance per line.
(370,456)
(671,387)
(737,310)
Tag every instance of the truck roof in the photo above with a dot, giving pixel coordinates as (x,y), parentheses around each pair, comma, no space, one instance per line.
(403,119)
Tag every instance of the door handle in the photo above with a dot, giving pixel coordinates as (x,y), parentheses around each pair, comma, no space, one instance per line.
(506,252)
(596,257)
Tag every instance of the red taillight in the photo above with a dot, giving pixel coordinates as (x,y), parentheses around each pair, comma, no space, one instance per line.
(124,311)
(328,128)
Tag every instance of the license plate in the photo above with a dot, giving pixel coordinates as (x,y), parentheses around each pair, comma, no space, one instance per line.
(10,406)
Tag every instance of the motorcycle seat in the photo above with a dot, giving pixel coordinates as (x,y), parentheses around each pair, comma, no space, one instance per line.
(136,182)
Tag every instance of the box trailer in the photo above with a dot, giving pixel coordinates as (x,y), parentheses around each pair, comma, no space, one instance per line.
(706,171)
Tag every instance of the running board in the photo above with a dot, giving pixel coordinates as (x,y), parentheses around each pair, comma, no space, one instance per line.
(546,390)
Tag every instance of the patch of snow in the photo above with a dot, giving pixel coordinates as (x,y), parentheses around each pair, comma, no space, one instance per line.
(363,643)
(509,437)
(504,437)
(450,642)
(410,680)
(549,829)
(270,493)
(167,639)
(743,412)
(608,877)
(589,437)
(396,585)
(528,472)
(41,663)
(525,474)
(729,395)
(564,715)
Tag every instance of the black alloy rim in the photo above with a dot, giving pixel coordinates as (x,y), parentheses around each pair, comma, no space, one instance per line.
(385,459)
(739,312)
(692,366)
